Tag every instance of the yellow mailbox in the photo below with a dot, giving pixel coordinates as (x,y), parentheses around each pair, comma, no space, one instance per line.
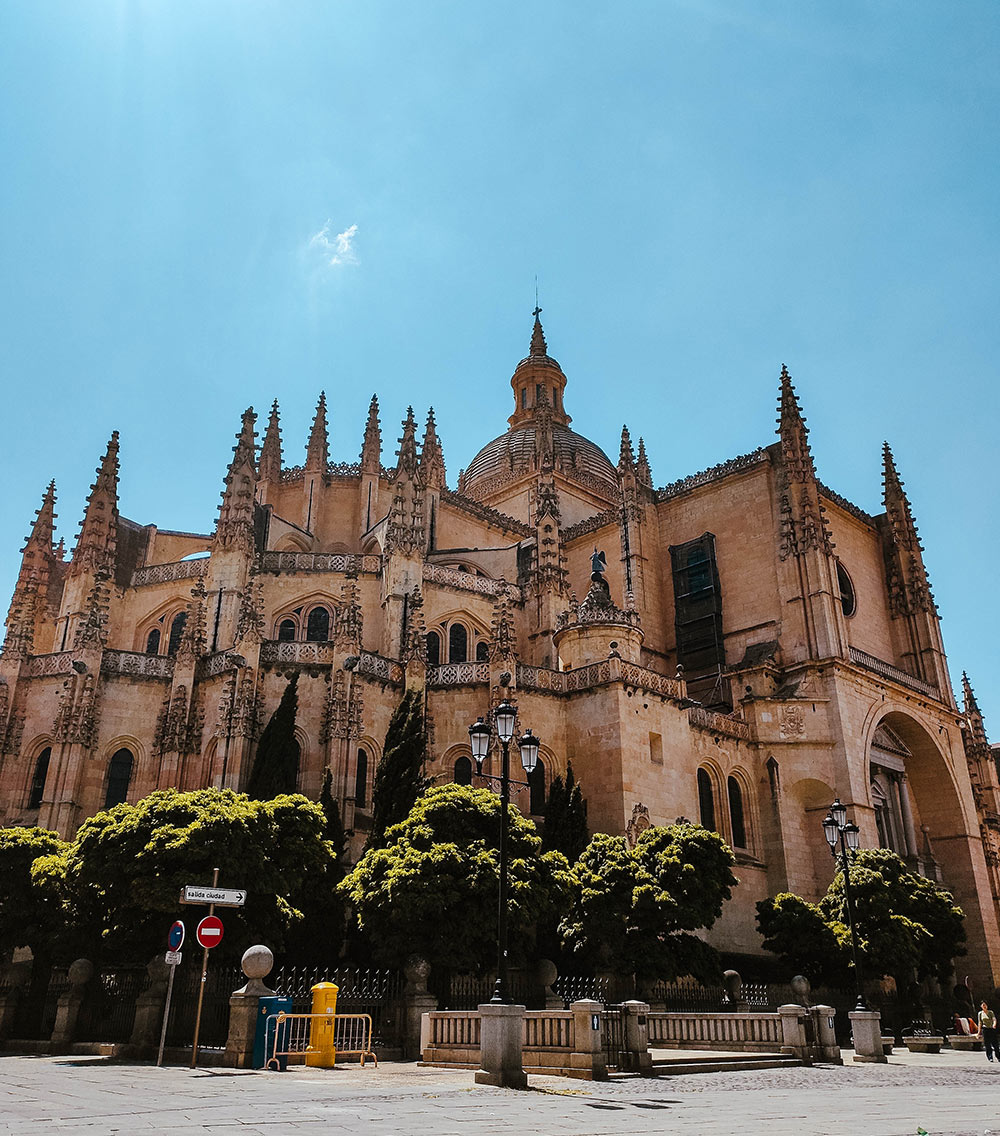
(321,1052)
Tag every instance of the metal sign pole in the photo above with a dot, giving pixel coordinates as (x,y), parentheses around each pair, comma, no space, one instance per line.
(201,985)
(166,1014)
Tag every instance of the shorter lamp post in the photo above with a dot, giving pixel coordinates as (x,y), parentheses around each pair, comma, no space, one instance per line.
(505,717)
(836,829)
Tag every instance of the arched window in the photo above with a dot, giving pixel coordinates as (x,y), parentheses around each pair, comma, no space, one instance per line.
(536,789)
(361,780)
(848,600)
(176,632)
(286,631)
(463,771)
(736,817)
(482,651)
(153,642)
(433,649)
(119,776)
(37,790)
(706,800)
(318,625)
(458,643)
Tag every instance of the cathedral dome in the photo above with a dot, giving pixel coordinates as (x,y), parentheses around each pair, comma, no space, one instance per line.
(539,436)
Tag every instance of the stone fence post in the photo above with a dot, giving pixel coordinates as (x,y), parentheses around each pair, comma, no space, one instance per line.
(149,1010)
(501,1044)
(794,1038)
(637,1037)
(866,1026)
(588,1054)
(70,1001)
(256,963)
(826,1046)
(16,980)
(419,1001)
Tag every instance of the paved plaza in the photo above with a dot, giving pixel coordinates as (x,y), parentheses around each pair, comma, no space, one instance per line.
(946,1095)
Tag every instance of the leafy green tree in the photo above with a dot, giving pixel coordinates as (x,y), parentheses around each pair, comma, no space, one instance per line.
(122,874)
(399,778)
(30,912)
(565,817)
(433,889)
(635,909)
(906,924)
(276,764)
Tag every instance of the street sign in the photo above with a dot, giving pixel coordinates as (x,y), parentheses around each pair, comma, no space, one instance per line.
(172,958)
(209,933)
(175,936)
(221,897)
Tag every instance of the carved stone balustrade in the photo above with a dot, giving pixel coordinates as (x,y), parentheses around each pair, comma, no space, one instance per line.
(166,573)
(458,674)
(274,651)
(887,670)
(137,664)
(41,666)
(469,582)
(319,562)
(597,674)
(726,724)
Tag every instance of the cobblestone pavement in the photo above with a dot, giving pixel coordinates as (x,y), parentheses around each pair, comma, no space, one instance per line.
(947,1095)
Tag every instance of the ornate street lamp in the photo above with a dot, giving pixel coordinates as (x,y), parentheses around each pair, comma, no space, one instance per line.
(836,829)
(505,717)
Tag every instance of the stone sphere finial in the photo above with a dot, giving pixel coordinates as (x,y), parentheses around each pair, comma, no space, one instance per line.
(800,988)
(80,972)
(257,961)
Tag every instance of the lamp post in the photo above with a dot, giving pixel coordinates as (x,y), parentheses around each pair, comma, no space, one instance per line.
(836,829)
(505,717)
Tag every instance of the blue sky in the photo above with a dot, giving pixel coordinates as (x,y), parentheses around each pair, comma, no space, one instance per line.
(704,188)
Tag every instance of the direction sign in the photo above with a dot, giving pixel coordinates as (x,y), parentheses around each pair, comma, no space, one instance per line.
(209,933)
(175,936)
(221,897)
(172,958)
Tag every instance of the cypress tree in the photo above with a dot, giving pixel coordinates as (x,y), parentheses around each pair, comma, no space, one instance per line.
(333,830)
(276,764)
(565,817)
(399,778)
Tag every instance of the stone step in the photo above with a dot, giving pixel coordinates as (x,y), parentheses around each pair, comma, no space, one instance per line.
(724,1063)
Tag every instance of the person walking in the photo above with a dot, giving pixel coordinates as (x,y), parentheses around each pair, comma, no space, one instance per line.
(988,1028)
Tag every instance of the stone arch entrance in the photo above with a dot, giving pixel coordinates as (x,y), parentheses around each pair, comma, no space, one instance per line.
(929,818)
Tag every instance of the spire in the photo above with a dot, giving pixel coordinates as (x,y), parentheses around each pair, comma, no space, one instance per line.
(92,631)
(318,450)
(431,455)
(897,505)
(643,474)
(626,456)
(32,581)
(972,711)
(371,449)
(98,536)
(270,451)
(909,588)
(234,528)
(538,344)
(795,452)
(407,452)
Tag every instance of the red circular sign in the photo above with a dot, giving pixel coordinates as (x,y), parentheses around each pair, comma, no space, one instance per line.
(209,933)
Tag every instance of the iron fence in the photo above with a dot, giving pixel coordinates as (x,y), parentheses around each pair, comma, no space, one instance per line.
(220,982)
(108,1012)
(361,990)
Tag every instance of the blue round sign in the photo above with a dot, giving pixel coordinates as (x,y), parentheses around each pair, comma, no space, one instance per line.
(176,936)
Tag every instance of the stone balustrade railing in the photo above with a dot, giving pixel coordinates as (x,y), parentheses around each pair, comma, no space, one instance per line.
(166,573)
(887,670)
(219,662)
(548,1040)
(277,651)
(458,674)
(379,667)
(719,723)
(137,664)
(469,582)
(41,666)
(754,1032)
(320,562)
(598,674)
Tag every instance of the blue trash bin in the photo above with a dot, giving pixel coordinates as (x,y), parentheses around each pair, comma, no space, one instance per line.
(263,1041)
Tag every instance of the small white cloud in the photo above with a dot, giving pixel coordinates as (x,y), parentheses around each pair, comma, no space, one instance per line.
(336,250)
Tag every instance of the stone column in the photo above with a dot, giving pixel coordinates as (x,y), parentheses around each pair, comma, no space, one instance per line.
(906,812)
(827,1048)
(866,1025)
(500,1046)
(793,1031)
(637,1037)
(419,1001)
(68,1010)
(149,1010)
(587,1055)
(256,963)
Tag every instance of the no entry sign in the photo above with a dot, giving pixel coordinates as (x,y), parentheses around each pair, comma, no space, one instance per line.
(209,933)
(175,937)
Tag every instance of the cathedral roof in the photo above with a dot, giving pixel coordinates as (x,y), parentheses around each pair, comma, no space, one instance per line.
(539,436)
